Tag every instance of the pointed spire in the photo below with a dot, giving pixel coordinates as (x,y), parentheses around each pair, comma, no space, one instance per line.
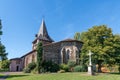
(42,30)
(43,34)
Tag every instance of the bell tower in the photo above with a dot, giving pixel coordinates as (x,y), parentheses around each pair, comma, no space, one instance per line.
(42,36)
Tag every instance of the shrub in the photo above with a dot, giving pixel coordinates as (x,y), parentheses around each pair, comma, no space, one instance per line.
(64,67)
(35,70)
(54,67)
(32,65)
(49,66)
(80,68)
(26,70)
(84,68)
(71,64)
(61,71)
(5,64)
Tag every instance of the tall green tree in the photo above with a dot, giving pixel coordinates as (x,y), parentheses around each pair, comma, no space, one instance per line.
(77,36)
(101,41)
(39,56)
(116,46)
(3,54)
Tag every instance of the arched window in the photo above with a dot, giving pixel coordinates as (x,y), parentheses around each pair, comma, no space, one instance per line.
(68,54)
(64,55)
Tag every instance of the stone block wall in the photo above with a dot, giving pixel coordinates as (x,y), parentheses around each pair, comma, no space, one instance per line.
(32,57)
(52,52)
(15,65)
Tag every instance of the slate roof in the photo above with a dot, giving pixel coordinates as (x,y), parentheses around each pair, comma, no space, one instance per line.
(43,34)
(15,59)
(28,53)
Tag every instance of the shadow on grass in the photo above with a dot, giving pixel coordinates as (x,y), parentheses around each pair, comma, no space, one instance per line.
(2,77)
(13,76)
(115,73)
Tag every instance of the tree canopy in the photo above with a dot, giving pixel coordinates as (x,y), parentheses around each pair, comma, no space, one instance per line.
(103,43)
(77,36)
(3,54)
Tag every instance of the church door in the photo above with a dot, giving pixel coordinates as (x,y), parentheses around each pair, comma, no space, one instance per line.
(17,68)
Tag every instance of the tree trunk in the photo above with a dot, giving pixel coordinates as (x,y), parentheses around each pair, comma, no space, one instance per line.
(99,67)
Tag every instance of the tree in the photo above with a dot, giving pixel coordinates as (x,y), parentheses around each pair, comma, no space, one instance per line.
(39,56)
(77,36)
(117,50)
(5,64)
(100,40)
(3,54)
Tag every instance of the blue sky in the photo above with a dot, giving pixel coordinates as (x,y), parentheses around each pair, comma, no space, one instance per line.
(21,20)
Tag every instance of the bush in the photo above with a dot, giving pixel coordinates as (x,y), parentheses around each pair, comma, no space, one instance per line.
(71,63)
(54,67)
(35,70)
(84,68)
(80,68)
(61,71)
(49,66)
(26,70)
(64,67)
(32,65)
(5,64)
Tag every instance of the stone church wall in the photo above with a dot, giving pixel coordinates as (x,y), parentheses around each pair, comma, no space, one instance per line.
(15,65)
(70,51)
(52,52)
(32,57)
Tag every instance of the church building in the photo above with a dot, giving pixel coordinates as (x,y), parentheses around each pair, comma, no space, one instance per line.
(57,52)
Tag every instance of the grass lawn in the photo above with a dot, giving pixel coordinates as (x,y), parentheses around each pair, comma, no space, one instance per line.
(1,75)
(64,76)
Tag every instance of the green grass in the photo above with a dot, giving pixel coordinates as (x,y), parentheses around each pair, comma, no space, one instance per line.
(1,75)
(63,76)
